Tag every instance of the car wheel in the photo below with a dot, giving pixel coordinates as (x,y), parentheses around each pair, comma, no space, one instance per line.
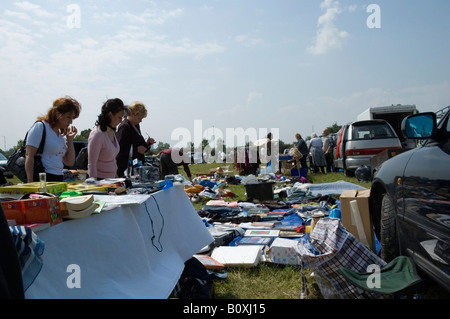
(348,173)
(388,230)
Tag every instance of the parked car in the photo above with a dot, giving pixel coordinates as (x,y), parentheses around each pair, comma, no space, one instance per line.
(3,161)
(359,141)
(410,199)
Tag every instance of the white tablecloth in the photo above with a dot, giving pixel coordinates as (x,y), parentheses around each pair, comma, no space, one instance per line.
(132,251)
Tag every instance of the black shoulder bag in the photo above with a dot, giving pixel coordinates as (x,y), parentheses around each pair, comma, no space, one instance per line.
(82,158)
(16,162)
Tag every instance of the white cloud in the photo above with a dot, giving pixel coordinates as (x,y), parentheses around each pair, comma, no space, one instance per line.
(252,96)
(16,15)
(34,9)
(328,35)
(241,108)
(353,8)
(154,16)
(248,40)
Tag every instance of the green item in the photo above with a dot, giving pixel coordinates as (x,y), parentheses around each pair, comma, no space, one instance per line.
(394,277)
(70,194)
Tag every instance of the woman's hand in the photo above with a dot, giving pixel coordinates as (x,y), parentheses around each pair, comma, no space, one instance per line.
(150,141)
(71,133)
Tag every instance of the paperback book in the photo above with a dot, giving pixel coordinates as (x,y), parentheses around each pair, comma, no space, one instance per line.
(255,240)
(262,232)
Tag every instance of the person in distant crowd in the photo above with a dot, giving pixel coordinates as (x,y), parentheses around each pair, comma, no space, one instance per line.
(327,149)
(269,144)
(103,145)
(317,154)
(130,136)
(266,154)
(169,161)
(59,134)
(303,148)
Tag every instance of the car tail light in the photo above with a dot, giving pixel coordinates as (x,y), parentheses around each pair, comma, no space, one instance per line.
(367,151)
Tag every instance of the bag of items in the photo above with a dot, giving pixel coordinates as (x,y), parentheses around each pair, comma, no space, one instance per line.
(333,247)
(16,162)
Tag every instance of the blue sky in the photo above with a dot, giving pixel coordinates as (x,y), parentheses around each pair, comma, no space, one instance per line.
(289,65)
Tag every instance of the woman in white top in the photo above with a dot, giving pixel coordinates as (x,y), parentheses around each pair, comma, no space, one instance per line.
(59,134)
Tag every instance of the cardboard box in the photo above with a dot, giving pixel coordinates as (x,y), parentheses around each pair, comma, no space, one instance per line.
(238,256)
(33,211)
(351,223)
(283,251)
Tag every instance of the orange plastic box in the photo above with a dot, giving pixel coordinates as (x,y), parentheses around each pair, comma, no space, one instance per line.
(14,211)
(32,211)
(42,210)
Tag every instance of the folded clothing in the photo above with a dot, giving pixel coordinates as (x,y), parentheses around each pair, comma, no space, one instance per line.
(29,248)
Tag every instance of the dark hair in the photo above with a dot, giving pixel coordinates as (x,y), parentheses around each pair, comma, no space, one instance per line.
(112,105)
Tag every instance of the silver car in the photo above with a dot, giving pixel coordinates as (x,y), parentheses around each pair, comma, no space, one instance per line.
(359,141)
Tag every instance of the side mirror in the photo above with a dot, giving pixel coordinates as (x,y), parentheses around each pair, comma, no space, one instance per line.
(419,126)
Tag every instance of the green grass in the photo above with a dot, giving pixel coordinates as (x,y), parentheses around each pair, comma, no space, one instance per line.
(272,281)
(266,280)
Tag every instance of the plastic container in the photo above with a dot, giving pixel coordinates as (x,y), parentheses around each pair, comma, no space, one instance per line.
(149,174)
(335,213)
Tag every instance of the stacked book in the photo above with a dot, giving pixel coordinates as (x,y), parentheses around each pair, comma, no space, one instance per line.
(76,207)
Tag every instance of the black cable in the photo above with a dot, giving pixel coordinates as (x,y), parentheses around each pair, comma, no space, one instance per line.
(159,249)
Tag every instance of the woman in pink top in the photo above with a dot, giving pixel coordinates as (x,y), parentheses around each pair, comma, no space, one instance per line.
(103,146)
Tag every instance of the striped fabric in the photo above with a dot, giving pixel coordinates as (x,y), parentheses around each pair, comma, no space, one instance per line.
(29,249)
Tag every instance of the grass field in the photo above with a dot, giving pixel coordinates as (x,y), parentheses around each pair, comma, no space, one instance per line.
(266,280)
(272,281)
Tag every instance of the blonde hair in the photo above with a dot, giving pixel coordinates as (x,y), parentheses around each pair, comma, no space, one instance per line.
(137,109)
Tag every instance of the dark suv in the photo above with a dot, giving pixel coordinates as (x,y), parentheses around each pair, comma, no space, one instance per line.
(410,198)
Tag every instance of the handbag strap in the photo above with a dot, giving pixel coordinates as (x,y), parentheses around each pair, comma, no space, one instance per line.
(41,145)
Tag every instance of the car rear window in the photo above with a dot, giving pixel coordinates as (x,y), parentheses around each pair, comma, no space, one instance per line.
(366,132)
